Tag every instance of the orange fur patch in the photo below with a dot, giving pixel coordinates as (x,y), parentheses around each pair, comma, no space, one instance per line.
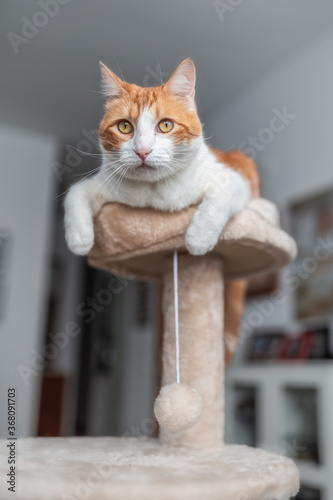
(241,163)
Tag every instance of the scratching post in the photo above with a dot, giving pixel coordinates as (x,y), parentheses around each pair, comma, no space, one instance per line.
(192,463)
(201,345)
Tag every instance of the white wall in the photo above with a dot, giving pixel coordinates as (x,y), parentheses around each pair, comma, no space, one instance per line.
(26,198)
(297,160)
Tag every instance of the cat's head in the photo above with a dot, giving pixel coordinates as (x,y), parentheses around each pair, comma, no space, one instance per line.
(149,133)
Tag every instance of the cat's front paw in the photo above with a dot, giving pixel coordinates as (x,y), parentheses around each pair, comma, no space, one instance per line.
(80,239)
(200,241)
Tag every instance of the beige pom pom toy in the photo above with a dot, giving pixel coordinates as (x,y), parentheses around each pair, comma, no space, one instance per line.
(178,407)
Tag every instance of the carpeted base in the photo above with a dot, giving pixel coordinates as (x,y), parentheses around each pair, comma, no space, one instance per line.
(136,469)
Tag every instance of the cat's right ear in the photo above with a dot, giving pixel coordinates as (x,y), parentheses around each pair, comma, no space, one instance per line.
(112,85)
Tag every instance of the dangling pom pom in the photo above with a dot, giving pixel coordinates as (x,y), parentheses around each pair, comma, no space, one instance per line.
(178,407)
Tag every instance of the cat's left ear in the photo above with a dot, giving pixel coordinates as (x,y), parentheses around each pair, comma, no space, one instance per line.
(112,85)
(182,82)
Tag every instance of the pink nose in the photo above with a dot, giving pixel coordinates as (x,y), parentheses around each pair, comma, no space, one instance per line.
(143,153)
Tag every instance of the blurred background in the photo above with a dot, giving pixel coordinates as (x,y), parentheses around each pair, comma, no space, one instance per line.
(87,364)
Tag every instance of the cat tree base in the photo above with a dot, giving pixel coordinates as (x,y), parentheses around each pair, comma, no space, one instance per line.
(134,469)
(194,463)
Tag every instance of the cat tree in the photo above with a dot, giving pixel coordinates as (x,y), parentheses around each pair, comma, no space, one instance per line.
(190,463)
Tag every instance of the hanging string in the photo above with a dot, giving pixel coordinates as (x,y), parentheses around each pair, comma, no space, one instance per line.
(175,295)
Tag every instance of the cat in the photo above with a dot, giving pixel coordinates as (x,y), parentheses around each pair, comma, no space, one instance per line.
(155,155)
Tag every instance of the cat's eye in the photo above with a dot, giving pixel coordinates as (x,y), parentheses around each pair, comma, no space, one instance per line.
(125,127)
(165,126)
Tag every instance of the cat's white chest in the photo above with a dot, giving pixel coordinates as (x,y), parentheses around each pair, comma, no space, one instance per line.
(170,195)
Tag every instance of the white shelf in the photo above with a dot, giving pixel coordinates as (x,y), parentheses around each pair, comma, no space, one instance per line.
(270,381)
(282,371)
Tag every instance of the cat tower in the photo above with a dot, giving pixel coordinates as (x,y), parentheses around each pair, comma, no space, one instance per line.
(188,461)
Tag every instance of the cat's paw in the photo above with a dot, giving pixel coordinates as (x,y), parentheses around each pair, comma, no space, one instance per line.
(199,241)
(80,239)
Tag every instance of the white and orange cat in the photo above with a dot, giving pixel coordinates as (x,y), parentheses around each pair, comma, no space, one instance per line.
(154,155)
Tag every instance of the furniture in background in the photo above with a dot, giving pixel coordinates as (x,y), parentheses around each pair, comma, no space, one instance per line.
(286,408)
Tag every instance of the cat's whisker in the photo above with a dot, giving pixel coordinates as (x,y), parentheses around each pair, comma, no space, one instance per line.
(107,180)
(101,92)
(123,176)
(62,194)
(119,180)
(207,138)
(86,153)
(168,177)
(175,172)
(80,181)
(160,69)
(89,173)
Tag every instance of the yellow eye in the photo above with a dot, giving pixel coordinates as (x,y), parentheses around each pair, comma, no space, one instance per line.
(165,126)
(125,127)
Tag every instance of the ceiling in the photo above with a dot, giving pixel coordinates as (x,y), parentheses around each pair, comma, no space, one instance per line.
(52,84)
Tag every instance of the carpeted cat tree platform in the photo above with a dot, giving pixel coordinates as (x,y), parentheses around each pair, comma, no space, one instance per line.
(191,462)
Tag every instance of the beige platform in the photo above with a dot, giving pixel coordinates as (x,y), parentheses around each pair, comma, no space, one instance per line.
(132,469)
(134,242)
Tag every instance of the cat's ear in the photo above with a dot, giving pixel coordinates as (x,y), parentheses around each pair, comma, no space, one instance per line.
(182,81)
(112,85)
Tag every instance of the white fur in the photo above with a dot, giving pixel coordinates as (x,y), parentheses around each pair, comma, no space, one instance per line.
(178,176)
